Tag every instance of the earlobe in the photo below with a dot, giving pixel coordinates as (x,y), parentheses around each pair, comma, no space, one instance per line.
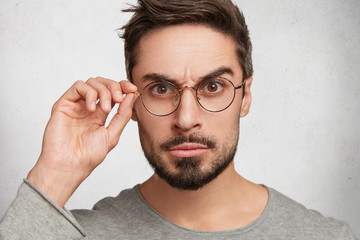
(246,103)
(133,115)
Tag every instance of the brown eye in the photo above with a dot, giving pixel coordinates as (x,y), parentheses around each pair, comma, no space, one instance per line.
(161,90)
(212,87)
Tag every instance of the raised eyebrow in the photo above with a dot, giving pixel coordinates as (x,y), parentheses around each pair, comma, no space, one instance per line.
(158,78)
(162,78)
(218,72)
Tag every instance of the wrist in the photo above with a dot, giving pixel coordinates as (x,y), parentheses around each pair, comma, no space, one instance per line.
(57,185)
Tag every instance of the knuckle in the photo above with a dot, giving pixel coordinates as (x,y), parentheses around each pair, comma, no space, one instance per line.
(124,82)
(54,107)
(78,83)
(90,80)
(114,85)
(104,95)
(91,93)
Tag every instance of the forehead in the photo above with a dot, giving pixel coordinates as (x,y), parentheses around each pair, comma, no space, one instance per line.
(185,53)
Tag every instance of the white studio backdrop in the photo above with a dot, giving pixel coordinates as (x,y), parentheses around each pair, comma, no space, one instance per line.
(302,134)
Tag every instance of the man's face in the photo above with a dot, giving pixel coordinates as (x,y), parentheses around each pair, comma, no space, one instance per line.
(191,146)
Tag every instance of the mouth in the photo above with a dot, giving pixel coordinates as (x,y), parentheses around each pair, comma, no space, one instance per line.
(188,149)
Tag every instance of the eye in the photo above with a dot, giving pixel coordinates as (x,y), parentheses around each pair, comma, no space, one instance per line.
(161,89)
(212,87)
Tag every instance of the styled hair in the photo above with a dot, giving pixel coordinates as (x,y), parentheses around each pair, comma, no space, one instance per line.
(220,15)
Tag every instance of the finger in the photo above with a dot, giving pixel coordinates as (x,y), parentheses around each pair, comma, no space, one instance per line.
(114,88)
(80,90)
(119,89)
(120,119)
(116,92)
(127,87)
(103,93)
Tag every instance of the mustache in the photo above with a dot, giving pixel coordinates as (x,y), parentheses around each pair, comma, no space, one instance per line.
(193,138)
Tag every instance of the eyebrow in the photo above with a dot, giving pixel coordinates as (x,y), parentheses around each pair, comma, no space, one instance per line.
(158,78)
(163,78)
(218,72)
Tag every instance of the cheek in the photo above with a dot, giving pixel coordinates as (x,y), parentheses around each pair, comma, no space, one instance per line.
(227,119)
(223,125)
(151,127)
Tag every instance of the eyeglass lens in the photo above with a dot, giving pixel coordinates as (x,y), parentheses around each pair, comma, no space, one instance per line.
(163,98)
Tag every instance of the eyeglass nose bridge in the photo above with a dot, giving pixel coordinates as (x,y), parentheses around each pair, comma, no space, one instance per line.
(181,89)
(193,88)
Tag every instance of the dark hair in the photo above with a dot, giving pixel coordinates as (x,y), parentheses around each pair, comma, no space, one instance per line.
(221,15)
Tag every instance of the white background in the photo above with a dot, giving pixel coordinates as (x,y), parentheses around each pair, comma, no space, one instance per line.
(302,135)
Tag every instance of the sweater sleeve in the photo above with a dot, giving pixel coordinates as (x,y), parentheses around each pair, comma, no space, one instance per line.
(32,215)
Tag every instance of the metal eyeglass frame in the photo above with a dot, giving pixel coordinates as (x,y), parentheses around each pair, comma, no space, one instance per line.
(197,99)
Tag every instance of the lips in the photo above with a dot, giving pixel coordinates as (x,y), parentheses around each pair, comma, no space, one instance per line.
(188,149)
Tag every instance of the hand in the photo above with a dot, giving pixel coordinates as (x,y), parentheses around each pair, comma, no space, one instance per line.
(75,140)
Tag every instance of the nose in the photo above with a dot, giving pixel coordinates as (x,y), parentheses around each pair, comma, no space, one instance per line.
(187,116)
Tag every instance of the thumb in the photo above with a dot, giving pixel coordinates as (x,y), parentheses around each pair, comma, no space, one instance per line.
(120,119)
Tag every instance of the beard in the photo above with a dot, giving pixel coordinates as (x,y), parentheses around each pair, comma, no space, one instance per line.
(190,173)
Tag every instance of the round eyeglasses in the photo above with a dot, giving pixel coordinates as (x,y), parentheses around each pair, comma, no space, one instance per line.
(162,98)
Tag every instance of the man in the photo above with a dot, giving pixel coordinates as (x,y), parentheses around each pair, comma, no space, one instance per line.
(190,71)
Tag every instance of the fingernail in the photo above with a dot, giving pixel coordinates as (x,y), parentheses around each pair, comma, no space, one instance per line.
(136,95)
(118,95)
(107,104)
(93,106)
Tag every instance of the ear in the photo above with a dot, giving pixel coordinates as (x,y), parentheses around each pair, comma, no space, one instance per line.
(246,102)
(134,115)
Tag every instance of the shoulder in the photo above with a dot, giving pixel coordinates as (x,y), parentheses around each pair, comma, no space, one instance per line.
(127,199)
(294,218)
(120,211)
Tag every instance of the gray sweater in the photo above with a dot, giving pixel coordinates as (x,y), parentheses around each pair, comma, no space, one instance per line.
(33,216)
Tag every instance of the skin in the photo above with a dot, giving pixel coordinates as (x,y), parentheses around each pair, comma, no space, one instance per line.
(76,140)
(185,54)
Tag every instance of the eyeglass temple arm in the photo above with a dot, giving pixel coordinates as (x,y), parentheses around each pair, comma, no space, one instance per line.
(243,88)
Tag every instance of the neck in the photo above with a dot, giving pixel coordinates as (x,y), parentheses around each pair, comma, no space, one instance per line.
(229,199)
